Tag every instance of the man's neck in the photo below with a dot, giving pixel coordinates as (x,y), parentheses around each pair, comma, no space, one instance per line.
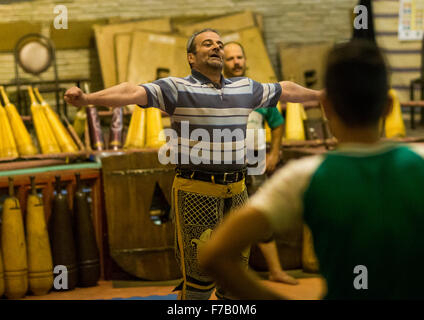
(358,135)
(212,74)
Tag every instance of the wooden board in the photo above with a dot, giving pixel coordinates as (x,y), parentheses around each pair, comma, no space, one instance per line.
(79,34)
(11,32)
(225,24)
(105,43)
(259,66)
(150,51)
(137,245)
(259,18)
(304,63)
(122,55)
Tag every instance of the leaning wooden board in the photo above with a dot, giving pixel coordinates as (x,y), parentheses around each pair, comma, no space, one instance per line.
(79,34)
(169,51)
(122,54)
(229,23)
(150,51)
(137,245)
(303,63)
(105,43)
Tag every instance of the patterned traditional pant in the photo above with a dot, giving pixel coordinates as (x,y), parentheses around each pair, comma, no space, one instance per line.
(198,207)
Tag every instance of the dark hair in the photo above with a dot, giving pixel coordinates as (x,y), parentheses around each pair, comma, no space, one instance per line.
(191,45)
(161,70)
(356,82)
(239,44)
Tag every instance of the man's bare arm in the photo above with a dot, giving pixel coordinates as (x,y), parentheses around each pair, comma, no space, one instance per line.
(220,256)
(117,96)
(274,155)
(292,92)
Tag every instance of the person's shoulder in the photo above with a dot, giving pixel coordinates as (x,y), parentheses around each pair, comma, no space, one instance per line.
(300,168)
(417,148)
(306,162)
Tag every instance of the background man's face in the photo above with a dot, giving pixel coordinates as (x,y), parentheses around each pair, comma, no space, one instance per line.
(209,51)
(234,61)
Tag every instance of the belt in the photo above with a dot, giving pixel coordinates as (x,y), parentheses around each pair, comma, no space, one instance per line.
(214,177)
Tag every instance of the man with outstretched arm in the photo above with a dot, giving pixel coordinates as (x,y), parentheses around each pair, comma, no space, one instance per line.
(211,182)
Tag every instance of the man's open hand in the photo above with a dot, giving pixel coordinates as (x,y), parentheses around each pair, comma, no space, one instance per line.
(76,97)
(272,160)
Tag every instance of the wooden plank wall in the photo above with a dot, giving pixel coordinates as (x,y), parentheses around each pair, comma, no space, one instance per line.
(403,57)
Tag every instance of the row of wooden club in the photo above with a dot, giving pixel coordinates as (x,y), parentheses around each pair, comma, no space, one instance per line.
(30,250)
(15,140)
(144,131)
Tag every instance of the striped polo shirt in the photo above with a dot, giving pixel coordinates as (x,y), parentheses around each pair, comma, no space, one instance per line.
(210,120)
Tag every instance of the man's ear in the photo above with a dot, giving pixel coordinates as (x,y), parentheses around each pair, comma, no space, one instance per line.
(190,58)
(389,106)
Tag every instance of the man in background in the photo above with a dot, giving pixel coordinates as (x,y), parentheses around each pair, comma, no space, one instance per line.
(235,66)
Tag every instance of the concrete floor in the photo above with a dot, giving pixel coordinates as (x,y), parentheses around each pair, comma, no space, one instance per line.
(311,288)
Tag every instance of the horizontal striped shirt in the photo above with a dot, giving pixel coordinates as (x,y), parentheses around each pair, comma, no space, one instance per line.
(215,115)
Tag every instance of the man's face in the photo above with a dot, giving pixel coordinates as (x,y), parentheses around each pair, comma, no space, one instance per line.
(234,61)
(209,51)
